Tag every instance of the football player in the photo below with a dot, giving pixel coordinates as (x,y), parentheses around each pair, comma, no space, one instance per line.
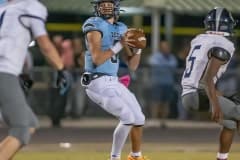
(207,60)
(103,35)
(20,22)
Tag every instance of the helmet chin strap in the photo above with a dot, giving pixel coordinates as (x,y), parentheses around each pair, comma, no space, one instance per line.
(107,17)
(218,33)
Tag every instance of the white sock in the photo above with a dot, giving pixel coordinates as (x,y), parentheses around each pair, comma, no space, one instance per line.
(119,137)
(222,155)
(115,158)
(136,154)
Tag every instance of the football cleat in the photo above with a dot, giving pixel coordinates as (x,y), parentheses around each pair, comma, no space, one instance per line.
(137,158)
(116,158)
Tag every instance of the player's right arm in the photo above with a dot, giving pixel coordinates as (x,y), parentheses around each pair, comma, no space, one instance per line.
(93,34)
(94,45)
(36,17)
(36,23)
(50,52)
(218,57)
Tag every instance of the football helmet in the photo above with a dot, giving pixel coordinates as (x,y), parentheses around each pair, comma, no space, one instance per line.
(105,10)
(219,19)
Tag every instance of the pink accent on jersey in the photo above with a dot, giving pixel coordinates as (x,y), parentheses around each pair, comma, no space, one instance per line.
(125,80)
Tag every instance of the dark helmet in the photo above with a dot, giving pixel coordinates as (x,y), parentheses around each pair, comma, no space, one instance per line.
(107,13)
(219,19)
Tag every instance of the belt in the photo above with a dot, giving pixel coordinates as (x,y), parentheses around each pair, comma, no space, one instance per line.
(97,75)
(87,77)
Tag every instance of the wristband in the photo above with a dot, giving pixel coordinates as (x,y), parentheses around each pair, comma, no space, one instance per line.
(139,51)
(116,48)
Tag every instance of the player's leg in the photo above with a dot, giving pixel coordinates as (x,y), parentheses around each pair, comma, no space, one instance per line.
(229,126)
(12,143)
(17,138)
(111,101)
(226,138)
(136,139)
(119,138)
(17,115)
(193,100)
(136,131)
(229,108)
(136,142)
(9,147)
(190,101)
(225,142)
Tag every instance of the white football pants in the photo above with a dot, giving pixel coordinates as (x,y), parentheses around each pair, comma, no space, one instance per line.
(116,99)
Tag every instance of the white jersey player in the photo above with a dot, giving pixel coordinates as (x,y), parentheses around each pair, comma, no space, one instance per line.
(202,48)
(207,60)
(20,22)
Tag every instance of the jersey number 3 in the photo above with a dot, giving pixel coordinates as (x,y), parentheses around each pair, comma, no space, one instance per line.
(191,60)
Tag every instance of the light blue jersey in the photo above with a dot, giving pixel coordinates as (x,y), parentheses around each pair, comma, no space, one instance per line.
(111,33)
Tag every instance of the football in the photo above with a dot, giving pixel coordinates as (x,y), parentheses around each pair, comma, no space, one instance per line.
(135,38)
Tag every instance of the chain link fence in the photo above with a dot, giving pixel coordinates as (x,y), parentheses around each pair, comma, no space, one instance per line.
(43,95)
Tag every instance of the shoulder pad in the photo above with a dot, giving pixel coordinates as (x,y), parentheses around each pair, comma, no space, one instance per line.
(37,9)
(92,24)
(122,27)
(219,53)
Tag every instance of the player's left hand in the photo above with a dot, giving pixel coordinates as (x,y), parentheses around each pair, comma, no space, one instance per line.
(135,38)
(64,81)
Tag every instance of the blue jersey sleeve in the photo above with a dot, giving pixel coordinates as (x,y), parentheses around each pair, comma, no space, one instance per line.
(92,24)
(122,28)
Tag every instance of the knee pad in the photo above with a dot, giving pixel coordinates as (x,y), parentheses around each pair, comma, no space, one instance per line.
(230,109)
(113,104)
(139,120)
(21,133)
(126,116)
(229,124)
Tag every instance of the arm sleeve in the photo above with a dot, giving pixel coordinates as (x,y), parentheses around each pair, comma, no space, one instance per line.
(219,53)
(122,28)
(37,15)
(38,27)
(92,24)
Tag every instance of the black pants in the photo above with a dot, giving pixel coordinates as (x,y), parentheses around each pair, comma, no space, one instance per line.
(56,110)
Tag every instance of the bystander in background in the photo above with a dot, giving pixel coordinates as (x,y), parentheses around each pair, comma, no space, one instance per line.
(56,110)
(163,65)
(77,102)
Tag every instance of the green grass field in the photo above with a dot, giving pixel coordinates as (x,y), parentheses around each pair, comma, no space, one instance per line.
(103,156)
(100,152)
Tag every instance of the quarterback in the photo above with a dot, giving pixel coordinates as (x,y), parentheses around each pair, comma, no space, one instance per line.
(104,40)
(207,60)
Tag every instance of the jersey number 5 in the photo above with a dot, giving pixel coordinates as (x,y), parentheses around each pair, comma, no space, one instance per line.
(191,60)
(1,18)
